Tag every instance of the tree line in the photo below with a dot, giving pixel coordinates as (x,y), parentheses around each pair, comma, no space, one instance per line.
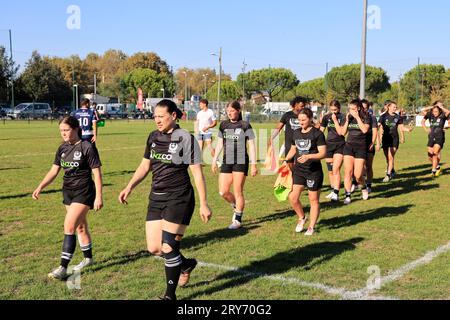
(51,79)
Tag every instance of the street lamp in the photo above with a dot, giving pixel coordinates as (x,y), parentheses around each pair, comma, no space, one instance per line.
(220,77)
(164,92)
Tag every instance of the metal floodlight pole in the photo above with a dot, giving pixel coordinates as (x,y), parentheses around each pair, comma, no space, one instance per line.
(362,93)
(220,80)
(12,76)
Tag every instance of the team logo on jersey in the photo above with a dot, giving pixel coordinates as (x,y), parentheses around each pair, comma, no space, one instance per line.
(173,148)
(295,124)
(310,183)
(77,156)
(303,145)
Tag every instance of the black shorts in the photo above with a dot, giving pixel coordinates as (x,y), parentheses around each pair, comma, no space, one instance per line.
(84,196)
(334,148)
(390,142)
(433,140)
(230,168)
(373,151)
(355,150)
(175,207)
(313,181)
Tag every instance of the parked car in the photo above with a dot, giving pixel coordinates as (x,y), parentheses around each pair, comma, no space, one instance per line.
(4,110)
(31,111)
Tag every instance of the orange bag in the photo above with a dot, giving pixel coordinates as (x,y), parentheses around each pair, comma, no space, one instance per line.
(284,183)
(271,162)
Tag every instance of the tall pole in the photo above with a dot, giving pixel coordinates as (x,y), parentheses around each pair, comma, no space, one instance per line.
(12,76)
(417,84)
(73,83)
(185,86)
(326,85)
(244,66)
(205,76)
(362,93)
(95,87)
(220,81)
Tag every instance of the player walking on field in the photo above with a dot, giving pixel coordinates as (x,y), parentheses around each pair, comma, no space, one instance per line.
(333,121)
(233,137)
(308,148)
(79,160)
(390,123)
(437,115)
(169,152)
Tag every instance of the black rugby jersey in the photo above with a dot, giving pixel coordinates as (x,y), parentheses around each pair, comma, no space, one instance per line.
(170,155)
(390,124)
(437,124)
(235,136)
(327,122)
(355,135)
(369,134)
(77,161)
(307,143)
(290,120)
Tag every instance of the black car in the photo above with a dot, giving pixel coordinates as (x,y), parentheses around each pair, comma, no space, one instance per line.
(4,109)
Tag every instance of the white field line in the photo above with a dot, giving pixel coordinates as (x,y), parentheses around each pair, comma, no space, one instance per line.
(341,292)
(365,293)
(362,294)
(52,153)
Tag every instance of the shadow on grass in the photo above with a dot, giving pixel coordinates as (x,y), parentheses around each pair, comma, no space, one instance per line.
(304,258)
(357,218)
(7,169)
(118,173)
(119,261)
(402,187)
(202,240)
(26,195)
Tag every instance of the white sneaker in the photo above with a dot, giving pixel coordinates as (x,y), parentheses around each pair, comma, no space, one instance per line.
(235,225)
(310,232)
(365,194)
(348,200)
(59,273)
(330,195)
(83,264)
(300,225)
(386,179)
(334,197)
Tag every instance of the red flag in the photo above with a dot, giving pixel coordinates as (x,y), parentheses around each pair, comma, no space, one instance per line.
(140,103)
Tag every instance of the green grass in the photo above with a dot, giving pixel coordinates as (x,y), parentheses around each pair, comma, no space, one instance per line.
(405,219)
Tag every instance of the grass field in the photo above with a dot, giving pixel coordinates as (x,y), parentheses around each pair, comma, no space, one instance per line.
(405,219)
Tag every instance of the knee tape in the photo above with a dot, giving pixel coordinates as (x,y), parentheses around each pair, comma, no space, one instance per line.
(330,167)
(171,240)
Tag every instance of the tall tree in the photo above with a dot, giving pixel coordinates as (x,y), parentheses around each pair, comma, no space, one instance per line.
(270,80)
(419,83)
(8,72)
(149,81)
(197,79)
(146,60)
(229,90)
(44,81)
(344,81)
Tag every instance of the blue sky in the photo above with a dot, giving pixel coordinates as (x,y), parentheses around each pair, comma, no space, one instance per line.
(300,35)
